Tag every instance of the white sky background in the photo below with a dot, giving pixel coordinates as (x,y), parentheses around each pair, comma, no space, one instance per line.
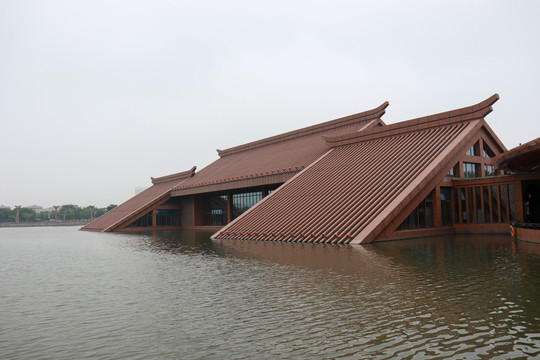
(97,96)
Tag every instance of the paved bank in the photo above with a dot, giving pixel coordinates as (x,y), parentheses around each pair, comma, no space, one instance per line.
(44,223)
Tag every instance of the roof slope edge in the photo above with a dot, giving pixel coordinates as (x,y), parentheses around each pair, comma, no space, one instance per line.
(178,176)
(344,121)
(138,203)
(466,114)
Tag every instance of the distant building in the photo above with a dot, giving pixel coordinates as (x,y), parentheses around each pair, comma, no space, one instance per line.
(352,180)
(4,207)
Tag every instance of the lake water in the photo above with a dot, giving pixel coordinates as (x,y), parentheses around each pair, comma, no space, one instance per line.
(67,294)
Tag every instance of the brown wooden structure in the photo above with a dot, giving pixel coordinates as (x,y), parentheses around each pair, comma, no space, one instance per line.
(523,163)
(352,180)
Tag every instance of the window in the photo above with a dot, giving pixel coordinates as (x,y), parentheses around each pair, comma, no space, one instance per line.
(473,151)
(484,204)
(512,202)
(446,206)
(143,221)
(503,202)
(215,210)
(168,217)
(421,217)
(452,172)
(478,197)
(489,170)
(463,206)
(470,170)
(487,152)
(487,213)
(174,201)
(243,201)
(471,204)
(456,206)
(494,203)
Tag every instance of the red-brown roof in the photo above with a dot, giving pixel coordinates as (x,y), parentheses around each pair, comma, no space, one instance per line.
(524,158)
(132,208)
(276,159)
(357,188)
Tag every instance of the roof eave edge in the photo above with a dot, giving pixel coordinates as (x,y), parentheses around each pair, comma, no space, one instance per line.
(465,114)
(180,176)
(362,116)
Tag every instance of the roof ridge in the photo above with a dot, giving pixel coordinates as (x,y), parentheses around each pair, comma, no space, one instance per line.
(178,176)
(465,114)
(313,129)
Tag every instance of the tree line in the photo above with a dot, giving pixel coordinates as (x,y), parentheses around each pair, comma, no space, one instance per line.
(65,213)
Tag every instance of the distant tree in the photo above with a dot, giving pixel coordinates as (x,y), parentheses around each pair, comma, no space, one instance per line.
(26,214)
(99,211)
(7,215)
(68,212)
(111,206)
(84,213)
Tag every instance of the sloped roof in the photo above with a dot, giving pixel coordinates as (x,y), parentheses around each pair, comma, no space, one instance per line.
(158,192)
(275,159)
(354,190)
(523,158)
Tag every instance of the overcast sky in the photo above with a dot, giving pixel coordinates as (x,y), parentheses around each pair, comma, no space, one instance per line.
(97,96)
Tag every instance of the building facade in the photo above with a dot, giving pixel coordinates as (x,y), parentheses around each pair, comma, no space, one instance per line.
(352,180)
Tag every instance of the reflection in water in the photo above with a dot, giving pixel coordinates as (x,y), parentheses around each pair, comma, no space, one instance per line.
(179,294)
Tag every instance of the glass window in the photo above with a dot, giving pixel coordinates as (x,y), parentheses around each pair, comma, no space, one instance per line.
(243,201)
(456,207)
(487,152)
(471,204)
(463,206)
(168,217)
(495,203)
(478,196)
(446,206)
(489,170)
(473,150)
(452,172)
(143,221)
(512,202)
(503,202)
(421,217)
(487,213)
(429,214)
(215,209)
(470,170)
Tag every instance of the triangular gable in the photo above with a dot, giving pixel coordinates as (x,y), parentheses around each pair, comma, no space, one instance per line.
(432,175)
(140,203)
(355,190)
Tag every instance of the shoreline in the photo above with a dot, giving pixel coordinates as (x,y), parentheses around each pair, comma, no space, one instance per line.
(44,223)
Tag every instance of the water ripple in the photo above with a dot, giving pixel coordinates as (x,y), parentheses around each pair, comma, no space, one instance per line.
(66,294)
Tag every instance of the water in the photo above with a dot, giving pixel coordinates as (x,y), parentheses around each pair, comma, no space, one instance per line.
(66,294)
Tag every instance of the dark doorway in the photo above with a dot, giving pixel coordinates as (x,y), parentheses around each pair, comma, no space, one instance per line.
(531,201)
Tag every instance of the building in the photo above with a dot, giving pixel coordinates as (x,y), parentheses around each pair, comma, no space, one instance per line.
(524,162)
(352,180)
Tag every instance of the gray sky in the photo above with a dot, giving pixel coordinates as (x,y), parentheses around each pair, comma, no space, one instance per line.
(97,96)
